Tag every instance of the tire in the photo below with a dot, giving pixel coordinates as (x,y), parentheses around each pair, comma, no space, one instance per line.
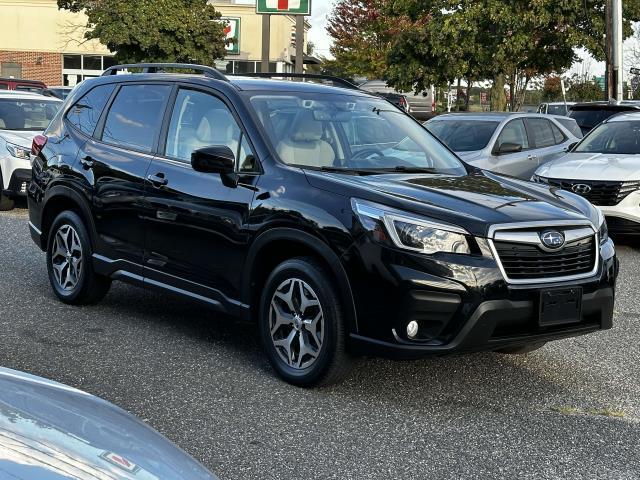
(69,262)
(317,329)
(6,203)
(522,349)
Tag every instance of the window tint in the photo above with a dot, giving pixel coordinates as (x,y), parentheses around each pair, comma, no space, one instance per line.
(248,162)
(557,134)
(463,135)
(514,132)
(135,116)
(86,111)
(200,120)
(571,125)
(541,132)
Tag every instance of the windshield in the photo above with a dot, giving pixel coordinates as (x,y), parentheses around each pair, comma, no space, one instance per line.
(349,133)
(463,135)
(614,137)
(557,110)
(20,114)
(590,118)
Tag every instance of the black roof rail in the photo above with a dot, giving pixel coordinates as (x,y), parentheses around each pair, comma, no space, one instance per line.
(337,81)
(155,67)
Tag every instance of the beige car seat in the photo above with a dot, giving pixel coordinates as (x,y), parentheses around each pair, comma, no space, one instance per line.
(304,144)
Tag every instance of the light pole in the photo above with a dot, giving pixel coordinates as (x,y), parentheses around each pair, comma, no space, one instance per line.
(615,70)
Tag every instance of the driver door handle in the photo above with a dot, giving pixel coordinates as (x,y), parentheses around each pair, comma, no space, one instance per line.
(158,180)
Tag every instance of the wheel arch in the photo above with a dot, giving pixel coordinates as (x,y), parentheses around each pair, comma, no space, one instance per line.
(59,199)
(279,244)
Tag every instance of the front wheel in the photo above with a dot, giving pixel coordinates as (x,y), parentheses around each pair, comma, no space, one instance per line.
(69,262)
(302,326)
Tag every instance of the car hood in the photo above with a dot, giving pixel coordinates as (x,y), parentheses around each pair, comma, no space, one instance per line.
(593,166)
(52,431)
(474,202)
(21,138)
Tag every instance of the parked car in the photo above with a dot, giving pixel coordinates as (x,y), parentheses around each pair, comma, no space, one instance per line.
(59,92)
(340,225)
(23,115)
(589,115)
(52,431)
(398,100)
(555,108)
(511,143)
(421,106)
(34,86)
(605,169)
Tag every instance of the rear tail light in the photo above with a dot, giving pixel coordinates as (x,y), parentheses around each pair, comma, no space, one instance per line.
(403,103)
(38,144)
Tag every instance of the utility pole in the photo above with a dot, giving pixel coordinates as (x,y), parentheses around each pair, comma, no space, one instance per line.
(266,42)
(615,73)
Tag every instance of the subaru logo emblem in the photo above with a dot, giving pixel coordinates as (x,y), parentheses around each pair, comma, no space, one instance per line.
(552,239)
(581,188)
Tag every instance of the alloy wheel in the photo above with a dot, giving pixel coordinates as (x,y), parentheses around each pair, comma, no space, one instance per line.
(296,323)
(67,258)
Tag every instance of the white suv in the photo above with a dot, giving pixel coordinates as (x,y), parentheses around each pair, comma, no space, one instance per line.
(23,115)
(605,169)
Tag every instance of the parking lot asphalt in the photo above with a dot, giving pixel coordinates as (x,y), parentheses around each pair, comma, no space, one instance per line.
(568,411)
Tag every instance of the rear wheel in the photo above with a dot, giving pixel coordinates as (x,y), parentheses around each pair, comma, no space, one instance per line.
(69,262)
(522,349)
(6,203)
(302,325)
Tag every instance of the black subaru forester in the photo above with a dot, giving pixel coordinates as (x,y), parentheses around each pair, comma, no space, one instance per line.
(324,213)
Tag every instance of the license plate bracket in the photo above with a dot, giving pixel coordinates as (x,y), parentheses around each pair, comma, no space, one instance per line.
(560,306)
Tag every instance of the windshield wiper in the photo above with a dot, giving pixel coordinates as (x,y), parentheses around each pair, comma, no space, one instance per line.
(406,169)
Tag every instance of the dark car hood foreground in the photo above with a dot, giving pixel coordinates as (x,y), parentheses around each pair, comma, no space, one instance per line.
(473,202)
(49,431)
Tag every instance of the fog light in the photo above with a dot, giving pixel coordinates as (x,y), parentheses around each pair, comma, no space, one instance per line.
(412,329)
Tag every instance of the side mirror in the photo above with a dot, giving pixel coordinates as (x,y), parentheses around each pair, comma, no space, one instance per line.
(571,147)
(214,159)
(506,148)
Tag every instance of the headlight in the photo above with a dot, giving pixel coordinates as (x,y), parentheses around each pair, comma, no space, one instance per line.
(409,232)
(539,179)
(18,151)
(603,229)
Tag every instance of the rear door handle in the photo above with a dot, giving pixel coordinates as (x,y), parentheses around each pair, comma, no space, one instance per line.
(532,157)
(158,180)
(87,162)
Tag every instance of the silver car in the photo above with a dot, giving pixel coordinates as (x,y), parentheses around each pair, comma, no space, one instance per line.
(514,144)
(55,432)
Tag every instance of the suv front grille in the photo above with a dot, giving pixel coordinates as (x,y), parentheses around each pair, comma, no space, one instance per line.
(603,193)
(522,262)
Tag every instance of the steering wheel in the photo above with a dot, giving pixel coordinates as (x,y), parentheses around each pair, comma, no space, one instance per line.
(363,154)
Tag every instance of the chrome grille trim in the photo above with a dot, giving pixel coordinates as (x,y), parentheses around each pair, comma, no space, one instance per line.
(505,232)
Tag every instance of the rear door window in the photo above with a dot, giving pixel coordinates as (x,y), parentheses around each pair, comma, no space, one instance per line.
(86,112)
(541,132)
(135,116)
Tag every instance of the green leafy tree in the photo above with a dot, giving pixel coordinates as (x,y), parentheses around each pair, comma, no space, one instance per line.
(507,41)
(552,89)
(582,89)
(154,30)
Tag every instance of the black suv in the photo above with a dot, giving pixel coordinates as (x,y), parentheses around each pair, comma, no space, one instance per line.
(325,214)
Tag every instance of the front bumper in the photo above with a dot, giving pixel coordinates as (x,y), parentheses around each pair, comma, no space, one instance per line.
(473,309)
(624,218)
(18,183)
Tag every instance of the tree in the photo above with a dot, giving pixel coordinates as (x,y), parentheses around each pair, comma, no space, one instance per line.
(154,30)
(582,89)
(362,36)
(552,89)
(507,41)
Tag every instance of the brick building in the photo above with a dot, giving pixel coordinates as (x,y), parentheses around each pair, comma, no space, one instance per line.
(40,42)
